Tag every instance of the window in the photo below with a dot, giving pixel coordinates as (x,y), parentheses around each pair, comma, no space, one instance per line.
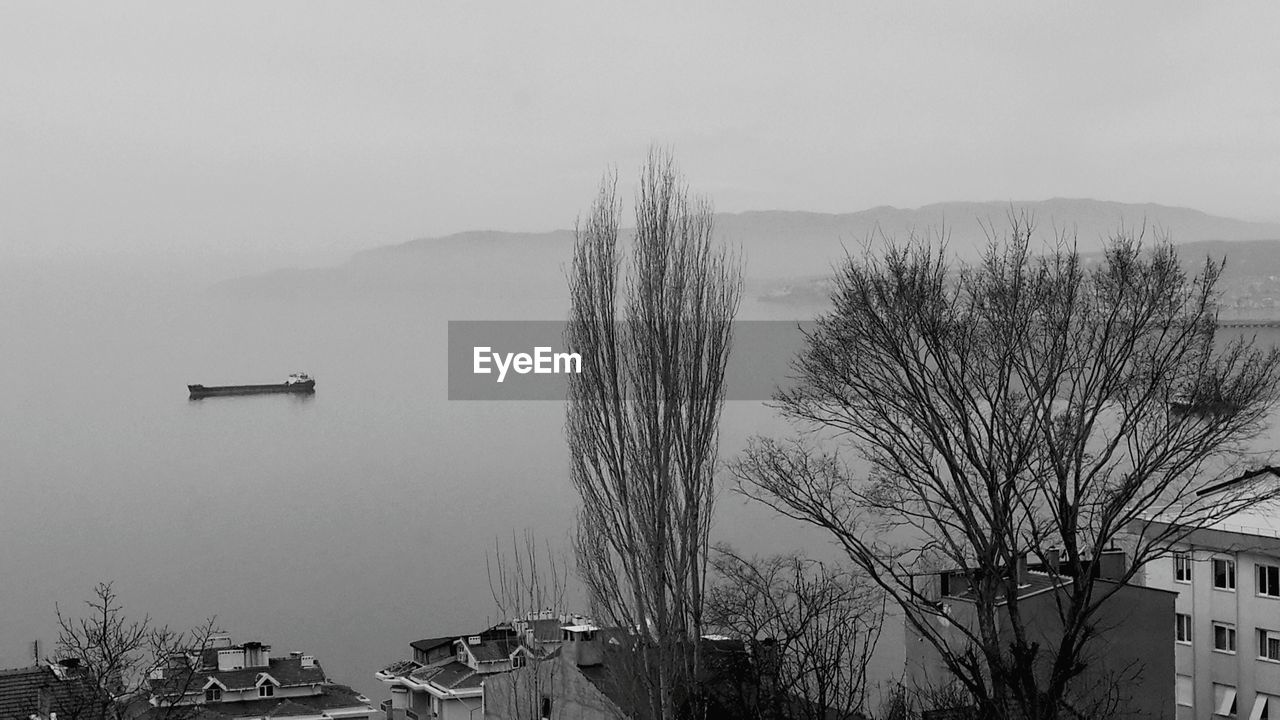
(266,689)
(1262,707)
(517,661)
(1269,580)
(546,707)
(1268,645)
(212,694)
(1182,567)
(1224,700)
(1183,632)
(1224,574)
(1186,691)
(1224,637)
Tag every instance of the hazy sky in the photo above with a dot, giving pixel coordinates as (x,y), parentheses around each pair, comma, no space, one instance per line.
(300,130)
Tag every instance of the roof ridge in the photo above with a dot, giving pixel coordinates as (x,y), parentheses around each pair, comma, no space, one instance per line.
(25,669)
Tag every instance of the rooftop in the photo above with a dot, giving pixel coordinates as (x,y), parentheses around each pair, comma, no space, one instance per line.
(20,693)
(286,671)
(429,644)
(333,697)
(452,675)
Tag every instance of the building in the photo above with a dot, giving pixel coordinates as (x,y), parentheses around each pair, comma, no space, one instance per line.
(1130,662)
(594,673)
(51,691)
(1226,633)
(579,680)
(446,675)
(243,682)
(543,665)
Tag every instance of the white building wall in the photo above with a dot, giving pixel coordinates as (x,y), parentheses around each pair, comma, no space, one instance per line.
(1206,604)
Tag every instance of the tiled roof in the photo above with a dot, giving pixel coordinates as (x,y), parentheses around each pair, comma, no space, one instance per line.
(20,693)
(457,676)
(331,697)
(452,675)
(400,668)
(288,671)
(494,650)
(429,644)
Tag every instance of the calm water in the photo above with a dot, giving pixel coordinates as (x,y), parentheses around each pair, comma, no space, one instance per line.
(345,524)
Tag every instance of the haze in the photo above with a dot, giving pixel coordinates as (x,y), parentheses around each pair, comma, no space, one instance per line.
(243,136)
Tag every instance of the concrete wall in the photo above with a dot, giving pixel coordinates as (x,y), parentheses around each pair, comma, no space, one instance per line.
(1132,654)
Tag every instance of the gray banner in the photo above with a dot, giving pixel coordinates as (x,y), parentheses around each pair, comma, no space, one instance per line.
(528,360)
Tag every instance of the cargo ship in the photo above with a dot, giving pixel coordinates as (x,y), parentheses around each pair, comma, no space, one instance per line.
(296,383)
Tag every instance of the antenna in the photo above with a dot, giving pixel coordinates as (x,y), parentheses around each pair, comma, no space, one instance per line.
(35,651)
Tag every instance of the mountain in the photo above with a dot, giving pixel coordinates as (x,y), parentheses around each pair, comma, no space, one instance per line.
(783,249)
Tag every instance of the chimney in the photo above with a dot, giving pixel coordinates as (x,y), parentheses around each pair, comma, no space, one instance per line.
(1112,563)
(308,661)
(1020,567)
(1052,560)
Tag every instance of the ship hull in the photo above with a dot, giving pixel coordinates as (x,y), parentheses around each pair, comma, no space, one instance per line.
(302,388)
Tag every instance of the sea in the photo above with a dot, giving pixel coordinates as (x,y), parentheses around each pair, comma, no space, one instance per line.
(345,524)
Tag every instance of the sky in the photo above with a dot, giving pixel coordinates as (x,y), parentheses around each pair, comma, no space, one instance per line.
(296,132)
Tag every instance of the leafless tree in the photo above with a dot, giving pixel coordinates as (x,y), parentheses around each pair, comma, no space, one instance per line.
(529,583)
(811,629)
(118,658)
(643,415)
(1028,403)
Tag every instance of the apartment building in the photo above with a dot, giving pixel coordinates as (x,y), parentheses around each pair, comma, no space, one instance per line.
(1226,631)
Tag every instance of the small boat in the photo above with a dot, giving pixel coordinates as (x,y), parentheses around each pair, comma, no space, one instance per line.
(296,383)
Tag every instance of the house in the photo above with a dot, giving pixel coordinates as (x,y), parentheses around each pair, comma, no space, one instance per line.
(1129,661)
(579,680)
(595,673)
(1226,632)
(539,664)
(445,677)
(51,691)
(243,682)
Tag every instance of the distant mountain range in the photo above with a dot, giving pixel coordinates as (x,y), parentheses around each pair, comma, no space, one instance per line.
(784,250)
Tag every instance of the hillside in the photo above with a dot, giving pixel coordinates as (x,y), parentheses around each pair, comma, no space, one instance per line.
(786,252)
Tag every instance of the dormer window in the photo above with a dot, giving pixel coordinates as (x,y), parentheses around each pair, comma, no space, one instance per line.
(213,694)
(266,685)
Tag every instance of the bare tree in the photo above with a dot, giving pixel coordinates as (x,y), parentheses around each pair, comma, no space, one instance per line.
(811,629)
(118,658)
(643,417)
(1027,404)
(529,584)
